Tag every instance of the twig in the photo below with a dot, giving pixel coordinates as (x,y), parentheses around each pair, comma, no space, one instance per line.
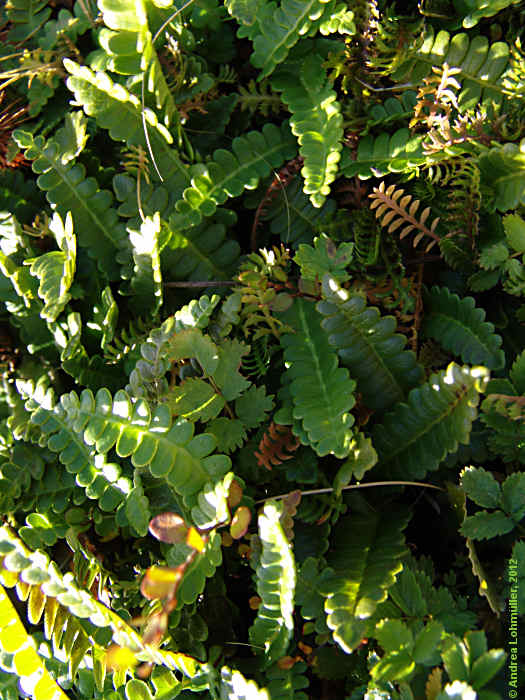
(201,283)
(354,486)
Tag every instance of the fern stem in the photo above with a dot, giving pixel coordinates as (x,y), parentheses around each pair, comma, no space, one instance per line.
(314,492)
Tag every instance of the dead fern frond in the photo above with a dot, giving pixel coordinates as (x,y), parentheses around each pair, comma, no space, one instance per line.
(394,212)
(275,446)
(437,96)
(11,117)
(469,127)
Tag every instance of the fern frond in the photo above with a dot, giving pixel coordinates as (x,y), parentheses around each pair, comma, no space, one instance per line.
(463,214)
(364,559)
(258,97)
(293,218)
(83,428)
(478,9)
(146,283)
(322,406)
(276,446)
(503,171)
(282,27)
(116,109)
(55,270)
(417,435)
(228,174)
(125,340)
(234,686)
(368,346)
(460,327)
(201,252)
(317,122)
(436,95)
(378,155)
(129,45)
(392,209)
(68,189)
(67,602)
(15,640)
(393,109)
(274,624)
(481,66)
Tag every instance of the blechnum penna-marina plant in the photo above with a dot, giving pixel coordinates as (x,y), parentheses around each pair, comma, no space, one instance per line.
(262,418)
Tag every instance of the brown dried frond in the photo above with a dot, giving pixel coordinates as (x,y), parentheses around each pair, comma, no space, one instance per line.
(276,445)
(395,211)
(196,103)
(10,118)
(466,127)
(437,95)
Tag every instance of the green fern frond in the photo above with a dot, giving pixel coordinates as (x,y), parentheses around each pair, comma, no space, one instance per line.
(258,97)
(83,428)
(69,190)
(55,270)
(481,65)
(101,481)
(146,283)
(393,109)
(116,109)
(368,345)
(228,174)
(276,31)
(478,9)
(460,327)
(364,560)
(129,45)
(321,392)
(274,624)
(201,252)
(15,640)
(292,216)
(67,602)
(503,171)
(379,155)
(317,122)
(417,435)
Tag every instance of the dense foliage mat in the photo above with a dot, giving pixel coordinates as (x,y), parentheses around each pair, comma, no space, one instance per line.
(262,392)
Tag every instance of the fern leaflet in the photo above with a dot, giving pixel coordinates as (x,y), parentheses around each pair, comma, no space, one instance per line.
(368,346)
(416,436)
(321,391)
(460,327)
(318,124)
(274,624)
(365,559)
